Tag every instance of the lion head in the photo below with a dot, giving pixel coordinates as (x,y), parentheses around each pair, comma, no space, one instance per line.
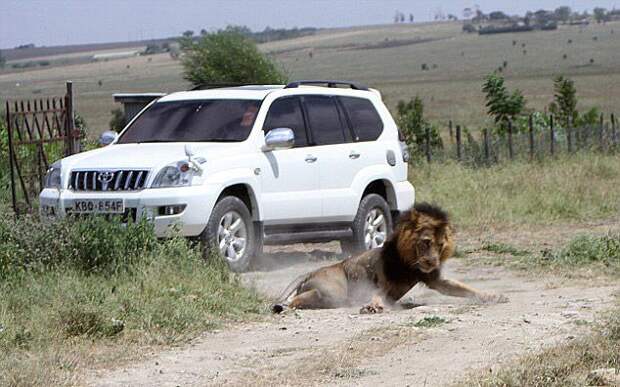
(424,237)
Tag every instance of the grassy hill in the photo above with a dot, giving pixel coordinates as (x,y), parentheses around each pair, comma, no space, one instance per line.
(387,57)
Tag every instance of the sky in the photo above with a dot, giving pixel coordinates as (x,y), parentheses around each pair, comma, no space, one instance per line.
(61,22)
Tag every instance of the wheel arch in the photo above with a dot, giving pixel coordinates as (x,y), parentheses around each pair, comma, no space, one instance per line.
(246,194)
(383,188)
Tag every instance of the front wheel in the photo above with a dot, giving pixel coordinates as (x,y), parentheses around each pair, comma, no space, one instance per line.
(230,232)
(371,227)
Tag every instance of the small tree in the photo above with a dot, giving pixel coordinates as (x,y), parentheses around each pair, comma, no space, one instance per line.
(501,104)
(2,61)
(118,121)
(600,14)
(413,125)
(563,13)
(227,56)
(564,106)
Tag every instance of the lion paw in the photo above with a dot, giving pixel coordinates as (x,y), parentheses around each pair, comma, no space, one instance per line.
(371,309)
(375,306)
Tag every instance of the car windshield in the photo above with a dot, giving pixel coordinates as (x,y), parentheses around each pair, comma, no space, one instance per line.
(217,120)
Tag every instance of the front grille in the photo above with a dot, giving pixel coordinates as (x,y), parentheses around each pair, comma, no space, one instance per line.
(108,180)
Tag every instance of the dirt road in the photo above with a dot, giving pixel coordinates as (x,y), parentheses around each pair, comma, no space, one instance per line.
(431,345)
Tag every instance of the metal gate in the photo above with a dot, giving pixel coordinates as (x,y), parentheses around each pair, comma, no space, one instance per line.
(39,132)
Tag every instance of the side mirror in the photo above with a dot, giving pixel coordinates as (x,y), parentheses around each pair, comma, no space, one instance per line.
(107,137)
(279,138)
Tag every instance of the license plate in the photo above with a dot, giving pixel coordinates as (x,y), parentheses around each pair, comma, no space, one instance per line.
(99,206)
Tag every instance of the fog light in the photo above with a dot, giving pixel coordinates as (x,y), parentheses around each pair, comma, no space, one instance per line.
(172,210)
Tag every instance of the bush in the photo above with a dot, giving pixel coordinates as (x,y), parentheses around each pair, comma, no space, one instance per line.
(469,28)
(413,125)
(91,281)
(587,249)
(227,56)
(91,245)
(502,105)
(118,121)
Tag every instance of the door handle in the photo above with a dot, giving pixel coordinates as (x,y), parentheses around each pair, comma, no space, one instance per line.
(310,159)
(354,155)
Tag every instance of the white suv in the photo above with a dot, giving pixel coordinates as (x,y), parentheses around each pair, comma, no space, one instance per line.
(247,165)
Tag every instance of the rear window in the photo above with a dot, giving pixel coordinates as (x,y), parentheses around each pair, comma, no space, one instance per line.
(365,121)
(217,120)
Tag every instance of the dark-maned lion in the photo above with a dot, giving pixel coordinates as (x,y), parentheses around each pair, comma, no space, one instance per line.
(421,242)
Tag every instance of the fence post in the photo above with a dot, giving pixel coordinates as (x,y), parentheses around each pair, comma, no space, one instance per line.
(485,133)
(569,137)
(11,156)
(510,148)
(450,131)
(601,133)
(458,142)
(551,136)
(70,147)
(531,125)
(613,129)
(428,144)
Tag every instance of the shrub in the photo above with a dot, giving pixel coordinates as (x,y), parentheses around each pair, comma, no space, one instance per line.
(501,104)
(168,294)
(227,56)
(564,105)
(91,245)
(469,28)
(411,121)
(118,121)
(587,249)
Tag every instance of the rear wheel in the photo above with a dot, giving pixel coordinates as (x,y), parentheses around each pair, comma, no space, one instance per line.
(230,232)
(371,227)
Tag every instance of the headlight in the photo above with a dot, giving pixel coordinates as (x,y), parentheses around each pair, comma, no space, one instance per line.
(175,175)
(52,177)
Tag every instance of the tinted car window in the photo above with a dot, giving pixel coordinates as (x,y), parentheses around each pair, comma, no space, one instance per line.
(223,120)
(324,120)
(286,113)
(363,117)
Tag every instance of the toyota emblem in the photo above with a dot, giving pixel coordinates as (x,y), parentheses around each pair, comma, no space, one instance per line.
(105,178)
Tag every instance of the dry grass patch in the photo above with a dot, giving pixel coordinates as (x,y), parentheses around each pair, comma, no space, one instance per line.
(581,187)
(569,364)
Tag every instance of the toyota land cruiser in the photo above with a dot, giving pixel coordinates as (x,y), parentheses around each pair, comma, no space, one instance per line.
(247,165)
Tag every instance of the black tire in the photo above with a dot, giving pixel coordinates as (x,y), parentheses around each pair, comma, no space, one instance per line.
(236,209)
(369,203)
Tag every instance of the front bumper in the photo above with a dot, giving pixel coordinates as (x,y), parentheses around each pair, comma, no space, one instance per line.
(198,201)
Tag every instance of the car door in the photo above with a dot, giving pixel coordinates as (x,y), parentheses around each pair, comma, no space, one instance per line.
(333,149)
(366,126)
(290,177)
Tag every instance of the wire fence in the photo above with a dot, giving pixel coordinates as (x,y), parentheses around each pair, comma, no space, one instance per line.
(539,138)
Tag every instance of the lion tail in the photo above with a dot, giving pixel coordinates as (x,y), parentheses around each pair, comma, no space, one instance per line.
(292,288)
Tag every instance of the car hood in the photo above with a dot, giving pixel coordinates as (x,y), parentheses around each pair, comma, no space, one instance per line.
(146,155)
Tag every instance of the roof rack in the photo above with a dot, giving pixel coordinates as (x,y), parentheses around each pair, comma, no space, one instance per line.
(329,83)
(207,86)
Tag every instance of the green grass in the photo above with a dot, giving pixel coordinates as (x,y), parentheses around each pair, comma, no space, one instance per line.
(430,322)
(594,254)
(579,188)
(561,365)
(503,248)
(63,309)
